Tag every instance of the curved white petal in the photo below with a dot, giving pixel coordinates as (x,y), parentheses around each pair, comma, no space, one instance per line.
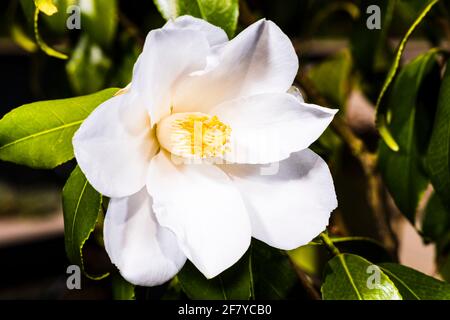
(260,59)
(168,55)
(145,253)
(269,127)
(201,206)
(215,35)
(114,145)
(289,202)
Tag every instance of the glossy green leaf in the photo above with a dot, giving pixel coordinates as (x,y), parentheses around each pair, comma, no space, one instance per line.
(82,205)
(122,289)
(436,221)
(350,277)
(88,67)
(381,108)
(414,285)
(332,78)
(274,277)
(438,155)
(222,13)
(39,134)
(99,20)
(232,284)
(412,101)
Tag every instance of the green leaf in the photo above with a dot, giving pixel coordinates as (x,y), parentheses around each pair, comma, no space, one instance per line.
(438,154)
(381,109)
(274,277)
(99,20)
(39,134)
(332,78)
(412,101)
(414,285)
(348,277)
(88,67)
(232,284)
(222,13)
(82,206)
(436,222)
(122,289)
(262,273)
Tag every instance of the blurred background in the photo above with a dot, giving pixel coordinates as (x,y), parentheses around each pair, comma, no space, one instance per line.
(336,50)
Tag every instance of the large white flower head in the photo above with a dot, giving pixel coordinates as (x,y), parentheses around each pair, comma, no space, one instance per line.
(199,97)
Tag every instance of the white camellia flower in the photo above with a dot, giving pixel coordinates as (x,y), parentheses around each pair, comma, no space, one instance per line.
(195,95)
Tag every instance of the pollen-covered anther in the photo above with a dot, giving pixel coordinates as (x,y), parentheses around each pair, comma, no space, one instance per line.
(194,135)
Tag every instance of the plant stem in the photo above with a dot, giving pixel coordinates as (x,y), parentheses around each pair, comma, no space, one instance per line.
(329,244)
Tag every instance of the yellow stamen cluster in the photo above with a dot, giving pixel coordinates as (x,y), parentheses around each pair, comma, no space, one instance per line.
(199,135)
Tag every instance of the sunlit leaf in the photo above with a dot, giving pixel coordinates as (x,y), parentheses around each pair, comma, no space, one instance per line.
(350,277)
(39,134)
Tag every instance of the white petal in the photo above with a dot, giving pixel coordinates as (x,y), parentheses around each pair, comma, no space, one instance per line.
(168,55)
(289,202)
(260,59)
(145,253)
(114,146)
(199,203)
(215,35)
(269,127)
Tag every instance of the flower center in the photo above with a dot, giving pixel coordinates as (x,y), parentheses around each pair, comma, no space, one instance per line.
(193,135)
